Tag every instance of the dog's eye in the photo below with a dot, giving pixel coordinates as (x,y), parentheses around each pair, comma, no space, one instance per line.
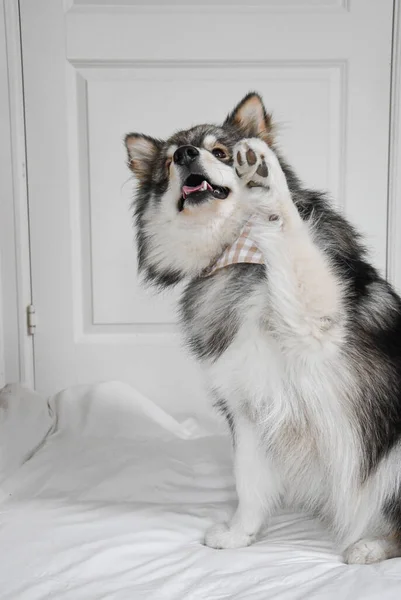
(219,153)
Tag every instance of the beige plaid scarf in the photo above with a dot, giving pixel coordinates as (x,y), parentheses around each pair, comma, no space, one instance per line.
(243,250)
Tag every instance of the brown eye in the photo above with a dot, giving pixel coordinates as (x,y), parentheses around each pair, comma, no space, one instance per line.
(219,153)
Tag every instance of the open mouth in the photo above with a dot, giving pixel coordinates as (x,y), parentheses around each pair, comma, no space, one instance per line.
(197,189)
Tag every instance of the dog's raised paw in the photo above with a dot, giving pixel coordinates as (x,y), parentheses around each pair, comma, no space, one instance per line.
(259,169)
(251,162)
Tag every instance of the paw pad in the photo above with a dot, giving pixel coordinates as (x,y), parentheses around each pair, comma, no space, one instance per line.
(251,157)
(250,164)
(262,169)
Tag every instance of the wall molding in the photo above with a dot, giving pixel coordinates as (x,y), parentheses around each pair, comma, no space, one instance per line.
(16,248)
(218,6)
(83,63)
(394,174)
(79,77)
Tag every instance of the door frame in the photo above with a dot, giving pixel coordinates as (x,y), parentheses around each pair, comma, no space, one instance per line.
(16,346)
(394,171)
(17,360)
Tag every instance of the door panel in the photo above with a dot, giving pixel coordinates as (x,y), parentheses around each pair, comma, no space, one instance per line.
(95,72)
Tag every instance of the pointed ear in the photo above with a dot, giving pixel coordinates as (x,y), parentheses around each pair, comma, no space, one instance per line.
(251,118)
(142,151)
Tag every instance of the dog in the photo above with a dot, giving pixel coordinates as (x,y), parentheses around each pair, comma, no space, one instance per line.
(301,348)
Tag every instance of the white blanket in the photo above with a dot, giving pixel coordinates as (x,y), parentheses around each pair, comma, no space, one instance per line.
(105,496)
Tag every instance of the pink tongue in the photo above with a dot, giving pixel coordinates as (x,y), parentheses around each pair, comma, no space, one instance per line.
(188,189)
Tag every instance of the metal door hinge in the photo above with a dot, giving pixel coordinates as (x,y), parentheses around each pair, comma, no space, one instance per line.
(31,319)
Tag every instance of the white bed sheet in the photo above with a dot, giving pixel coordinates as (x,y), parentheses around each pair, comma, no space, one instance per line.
(105,496)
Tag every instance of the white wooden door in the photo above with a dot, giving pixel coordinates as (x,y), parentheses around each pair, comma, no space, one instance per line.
(96,69)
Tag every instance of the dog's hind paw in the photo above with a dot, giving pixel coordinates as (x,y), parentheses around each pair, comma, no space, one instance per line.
(370,550)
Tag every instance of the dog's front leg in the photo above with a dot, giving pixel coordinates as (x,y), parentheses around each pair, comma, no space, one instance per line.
(258,489)
(305,295)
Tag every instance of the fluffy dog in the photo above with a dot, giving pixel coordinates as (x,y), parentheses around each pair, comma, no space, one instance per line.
(302,353)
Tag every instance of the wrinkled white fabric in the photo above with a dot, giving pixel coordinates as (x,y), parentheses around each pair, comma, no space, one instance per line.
(106,496)
(25,421)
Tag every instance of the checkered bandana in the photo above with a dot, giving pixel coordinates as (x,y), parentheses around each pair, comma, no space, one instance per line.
(243,250)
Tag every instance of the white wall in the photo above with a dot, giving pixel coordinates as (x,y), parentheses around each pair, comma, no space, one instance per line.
(15,346)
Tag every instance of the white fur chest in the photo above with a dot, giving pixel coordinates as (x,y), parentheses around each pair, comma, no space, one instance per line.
(293,404)
(250,371)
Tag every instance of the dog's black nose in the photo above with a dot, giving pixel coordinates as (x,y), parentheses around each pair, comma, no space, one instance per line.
(185,155)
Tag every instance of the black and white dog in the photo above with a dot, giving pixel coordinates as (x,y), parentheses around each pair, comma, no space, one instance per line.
(302,353)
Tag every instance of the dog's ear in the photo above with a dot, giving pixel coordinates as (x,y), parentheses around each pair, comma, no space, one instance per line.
(251,118)
(142,151)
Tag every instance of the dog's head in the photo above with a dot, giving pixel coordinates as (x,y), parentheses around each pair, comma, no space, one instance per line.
(188,205)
